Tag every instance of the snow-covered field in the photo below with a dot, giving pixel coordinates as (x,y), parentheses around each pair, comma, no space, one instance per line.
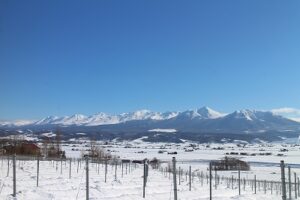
(188,151)
(56,185)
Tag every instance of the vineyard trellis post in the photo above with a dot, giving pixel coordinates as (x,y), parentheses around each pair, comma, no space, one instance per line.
(105,170)
(87,177)
(271,187)
(179,174)
(190,177)
(254,184)
(283,185)
(298,187)
(239,174)
(174,178)
(116,167)
(37,171)
(14,175)
(70,168)
(216,178)
(295,176)
(290,183)
(78,165)
(122,168)
(61,165)
(7,166)
(210,181)
(144,180)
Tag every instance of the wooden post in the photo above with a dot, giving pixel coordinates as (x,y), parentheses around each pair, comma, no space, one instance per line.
(298,187)
(290,183)
(122,168)
(78,165)
(215,178)
(129,167)
(254,184)
(295,176)
(239,182)
(282,166)
(271,187)
(174,178)
(116,166)
(105,170)
(179,175)
(144,180)
(70,168)
(14,176)
(87,177)
(7,166)
(202,178)
(147,171)
(210,181)
(265,186)
(61,165)
(37,171)
(190,174)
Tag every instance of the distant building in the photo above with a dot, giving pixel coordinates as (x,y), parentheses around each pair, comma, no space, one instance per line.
(229,163)
(21,148)
(30,149)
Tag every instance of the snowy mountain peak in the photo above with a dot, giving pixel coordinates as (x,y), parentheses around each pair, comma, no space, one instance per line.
(190,114)
(208,113)
(244,114)
(74,119)
(100,114)
(46,120)
(201,113)
(141,114)
(78,117)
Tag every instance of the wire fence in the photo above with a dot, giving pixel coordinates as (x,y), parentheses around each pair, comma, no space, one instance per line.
(78,170)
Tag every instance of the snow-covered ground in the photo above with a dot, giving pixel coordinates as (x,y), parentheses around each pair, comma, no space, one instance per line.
(56,185)
(139,149)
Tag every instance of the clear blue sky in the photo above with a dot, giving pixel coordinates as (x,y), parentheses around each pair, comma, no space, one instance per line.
(60,57)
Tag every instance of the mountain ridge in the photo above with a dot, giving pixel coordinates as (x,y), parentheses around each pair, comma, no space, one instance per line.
(103,118)
(204,119)
(203,124)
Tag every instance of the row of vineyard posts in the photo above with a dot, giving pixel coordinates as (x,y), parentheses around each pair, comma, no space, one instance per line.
(288,187)
(12,161)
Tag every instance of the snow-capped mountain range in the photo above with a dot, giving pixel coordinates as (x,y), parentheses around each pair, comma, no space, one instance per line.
(203,125)
(204,113)
(204,118)
(104,119)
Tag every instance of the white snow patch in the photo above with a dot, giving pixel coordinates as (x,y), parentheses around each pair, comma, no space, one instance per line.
(50,134)
(80,133)
(161,130)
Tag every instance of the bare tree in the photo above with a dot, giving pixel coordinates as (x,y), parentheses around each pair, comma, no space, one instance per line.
(45,146)
(58,141)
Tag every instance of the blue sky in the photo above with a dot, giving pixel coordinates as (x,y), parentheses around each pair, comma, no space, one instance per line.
(65,57)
